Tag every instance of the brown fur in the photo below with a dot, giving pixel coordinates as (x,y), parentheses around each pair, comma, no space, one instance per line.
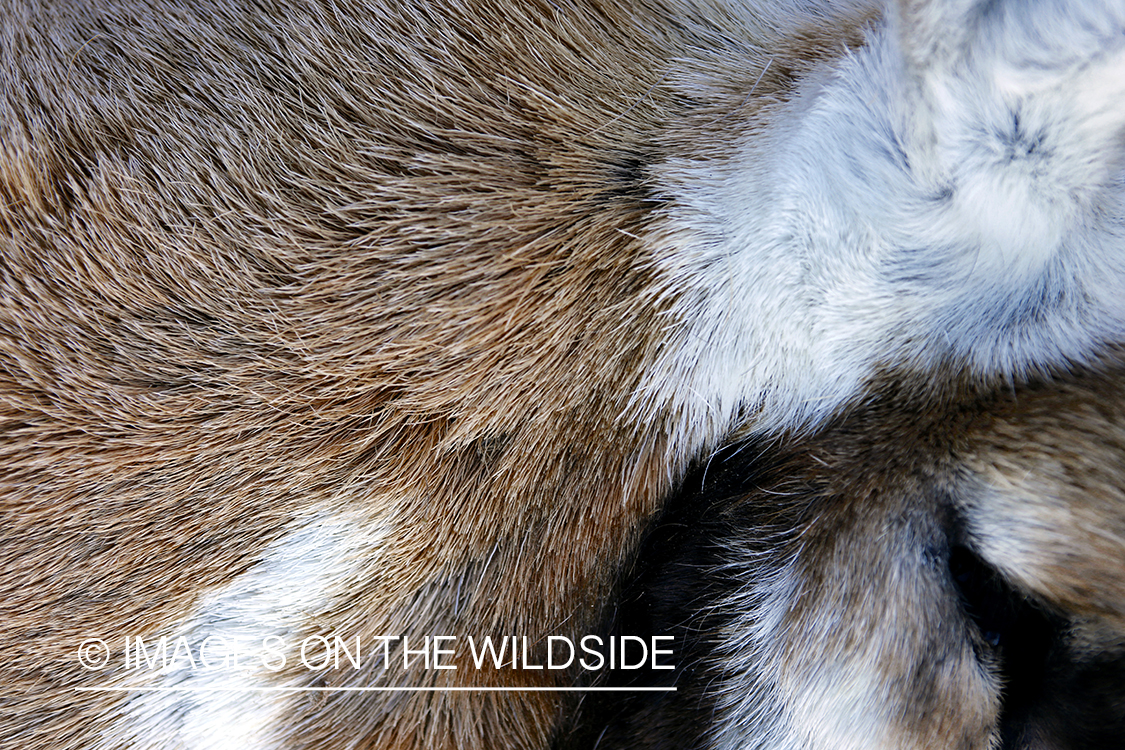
(1030,479)
(874,525)
(260,261)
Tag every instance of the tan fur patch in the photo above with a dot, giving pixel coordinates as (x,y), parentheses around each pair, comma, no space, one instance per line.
(259,265)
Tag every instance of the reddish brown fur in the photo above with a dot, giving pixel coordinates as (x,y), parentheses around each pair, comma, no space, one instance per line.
(385,261)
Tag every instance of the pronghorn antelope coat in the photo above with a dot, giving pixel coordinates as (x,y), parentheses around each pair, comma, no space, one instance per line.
(403,319)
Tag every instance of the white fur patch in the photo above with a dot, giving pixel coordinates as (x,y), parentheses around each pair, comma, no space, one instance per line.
(295,581)
(971,212)
(768,705)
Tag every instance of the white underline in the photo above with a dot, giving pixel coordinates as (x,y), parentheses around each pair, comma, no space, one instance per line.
(114,689)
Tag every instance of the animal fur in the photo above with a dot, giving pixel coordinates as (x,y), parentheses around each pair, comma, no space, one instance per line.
(923,573)
(406,317)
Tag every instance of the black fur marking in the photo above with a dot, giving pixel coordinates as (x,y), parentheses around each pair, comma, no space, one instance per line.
(1054,694)
(670,590)
(628,179)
